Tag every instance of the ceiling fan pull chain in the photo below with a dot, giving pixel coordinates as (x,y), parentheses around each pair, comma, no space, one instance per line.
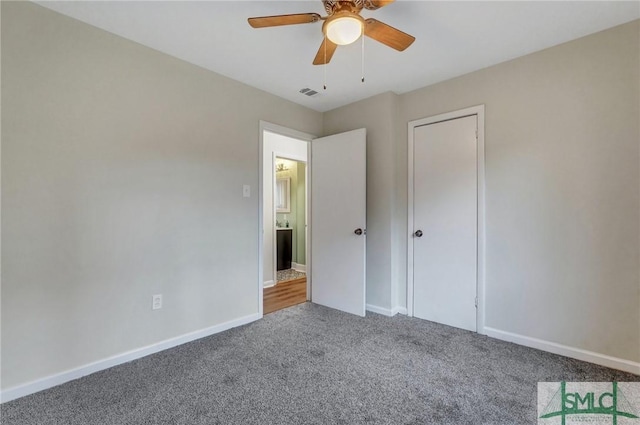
(362,36)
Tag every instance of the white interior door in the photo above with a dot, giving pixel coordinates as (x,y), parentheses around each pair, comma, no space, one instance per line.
(338,221)
(445,222)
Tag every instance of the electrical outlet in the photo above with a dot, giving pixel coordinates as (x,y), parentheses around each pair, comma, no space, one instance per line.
(157,302)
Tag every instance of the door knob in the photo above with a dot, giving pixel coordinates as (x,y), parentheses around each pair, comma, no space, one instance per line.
(418,233)
(358,231)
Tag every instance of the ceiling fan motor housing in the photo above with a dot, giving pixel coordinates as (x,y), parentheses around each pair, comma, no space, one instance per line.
(332,6)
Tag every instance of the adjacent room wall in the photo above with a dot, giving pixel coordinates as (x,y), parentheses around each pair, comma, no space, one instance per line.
(292,215)
(301,219)
(562,189)
(286,147)
(297,215)
(122,175)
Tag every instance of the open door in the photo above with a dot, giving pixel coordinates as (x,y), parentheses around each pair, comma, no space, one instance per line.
(338,221)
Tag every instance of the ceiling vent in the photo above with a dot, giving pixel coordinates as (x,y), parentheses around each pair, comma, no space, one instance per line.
(309,92)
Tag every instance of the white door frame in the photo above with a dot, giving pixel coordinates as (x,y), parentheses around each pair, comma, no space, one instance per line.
(284,131)
(480,278)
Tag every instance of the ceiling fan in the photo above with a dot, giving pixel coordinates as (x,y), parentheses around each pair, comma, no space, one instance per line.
(343,25)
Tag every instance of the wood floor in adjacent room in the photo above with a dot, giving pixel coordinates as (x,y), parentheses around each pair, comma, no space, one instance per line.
(285,294)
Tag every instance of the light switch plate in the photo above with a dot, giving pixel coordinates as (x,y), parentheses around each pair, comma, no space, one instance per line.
(157,302)
(246,190)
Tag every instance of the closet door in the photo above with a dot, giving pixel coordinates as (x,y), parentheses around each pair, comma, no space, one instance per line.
(445,223)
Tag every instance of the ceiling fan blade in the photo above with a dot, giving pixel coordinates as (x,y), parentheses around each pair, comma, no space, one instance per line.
(387,34)
(376,4)
(274,21)
(324,56)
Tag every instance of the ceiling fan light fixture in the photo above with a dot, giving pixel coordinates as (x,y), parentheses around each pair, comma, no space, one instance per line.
(344,30)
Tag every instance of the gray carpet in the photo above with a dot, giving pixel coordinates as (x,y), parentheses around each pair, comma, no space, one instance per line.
(312,365)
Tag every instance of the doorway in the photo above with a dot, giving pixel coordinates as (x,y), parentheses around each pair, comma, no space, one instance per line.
(336,210)
(289,245)
(285,219)
(290,204)
(445,273)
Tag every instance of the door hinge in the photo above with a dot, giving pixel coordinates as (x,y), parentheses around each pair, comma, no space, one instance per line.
(476,302)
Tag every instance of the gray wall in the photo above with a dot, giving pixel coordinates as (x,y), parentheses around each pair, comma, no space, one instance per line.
(122,174)
(562,184)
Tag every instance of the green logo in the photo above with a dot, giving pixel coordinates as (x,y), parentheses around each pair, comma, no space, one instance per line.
(584,399)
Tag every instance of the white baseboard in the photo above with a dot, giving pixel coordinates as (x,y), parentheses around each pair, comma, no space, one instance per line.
(399,310)
(563,350)
(268,284)
(380,310)
(302,268)
(69,375)
(385,311)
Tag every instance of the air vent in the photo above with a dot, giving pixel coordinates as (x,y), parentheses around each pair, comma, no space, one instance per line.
(309,92)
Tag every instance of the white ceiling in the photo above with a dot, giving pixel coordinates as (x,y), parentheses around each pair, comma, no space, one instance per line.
(452,38)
